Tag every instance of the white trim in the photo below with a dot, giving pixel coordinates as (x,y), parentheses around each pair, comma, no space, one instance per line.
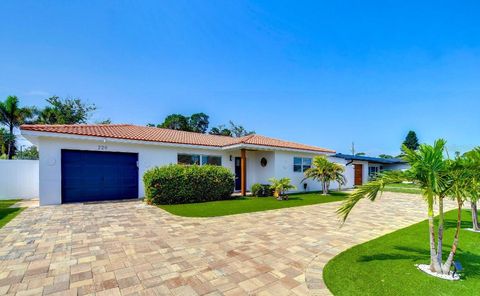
(273,148)
(29,134)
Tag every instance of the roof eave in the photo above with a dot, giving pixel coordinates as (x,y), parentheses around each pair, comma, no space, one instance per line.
(274,148)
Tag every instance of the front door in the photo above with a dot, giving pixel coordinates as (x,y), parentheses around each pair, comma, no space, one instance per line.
(238,173)
(358,174)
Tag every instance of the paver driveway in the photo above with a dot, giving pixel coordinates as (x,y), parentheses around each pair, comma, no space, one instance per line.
(127,248)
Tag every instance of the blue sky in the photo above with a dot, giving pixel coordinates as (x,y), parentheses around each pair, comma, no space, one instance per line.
(318,72)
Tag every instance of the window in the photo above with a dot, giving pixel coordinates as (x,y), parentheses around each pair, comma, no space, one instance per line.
(307,163)
(188,159)
(373,171)
(197,159)
(211,160)
(301,164)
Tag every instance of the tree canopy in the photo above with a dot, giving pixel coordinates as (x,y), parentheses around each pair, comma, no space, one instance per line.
(411,141)
(199,123)
(12,115)
(65,111)
(234,130)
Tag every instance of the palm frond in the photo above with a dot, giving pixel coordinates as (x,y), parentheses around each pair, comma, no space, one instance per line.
(371,191)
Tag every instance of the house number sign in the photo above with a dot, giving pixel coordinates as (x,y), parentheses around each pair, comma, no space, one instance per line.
(102,147)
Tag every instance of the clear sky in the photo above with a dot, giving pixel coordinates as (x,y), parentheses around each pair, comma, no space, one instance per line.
(324,73)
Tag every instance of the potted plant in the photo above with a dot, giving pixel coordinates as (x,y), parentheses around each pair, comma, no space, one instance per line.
(280,186)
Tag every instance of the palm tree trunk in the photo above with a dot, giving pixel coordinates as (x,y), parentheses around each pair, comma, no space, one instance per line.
(440,230)
(10,142)
(451,256)
(475,225)
(434,264)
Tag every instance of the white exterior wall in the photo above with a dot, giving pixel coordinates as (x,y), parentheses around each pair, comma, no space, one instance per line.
(148,156)
(284,168)
(279,163)
(18,179)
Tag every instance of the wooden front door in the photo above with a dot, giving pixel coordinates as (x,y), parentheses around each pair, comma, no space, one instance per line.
(358,174)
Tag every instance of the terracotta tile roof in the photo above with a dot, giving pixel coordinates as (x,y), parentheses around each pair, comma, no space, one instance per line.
(271,142)
(153,134)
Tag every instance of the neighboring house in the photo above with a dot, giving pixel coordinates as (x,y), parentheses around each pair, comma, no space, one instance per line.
(104,162)
(366,167)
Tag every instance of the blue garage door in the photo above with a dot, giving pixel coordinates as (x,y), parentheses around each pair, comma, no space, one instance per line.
(96,176)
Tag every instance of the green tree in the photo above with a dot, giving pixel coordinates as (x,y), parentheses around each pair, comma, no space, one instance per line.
(4,139)
(105,121)
(221,130)
(234,130)
(12,116)
(438,178)
(411,141)
(29,153)
(198,123)
(386,156)
(325,172)
(176,122)
(473,158)
(65,111)
(239,131)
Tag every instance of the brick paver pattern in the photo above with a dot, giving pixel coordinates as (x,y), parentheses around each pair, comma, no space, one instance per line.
(129,248)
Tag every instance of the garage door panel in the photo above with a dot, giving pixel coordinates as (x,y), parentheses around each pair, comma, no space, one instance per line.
(95,176)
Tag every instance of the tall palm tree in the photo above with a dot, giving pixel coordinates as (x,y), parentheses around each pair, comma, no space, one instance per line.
(325,172)
(473,158)
(12,115)
(433,173)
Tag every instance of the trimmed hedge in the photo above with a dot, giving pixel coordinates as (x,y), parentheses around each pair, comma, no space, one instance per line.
(261,190)
(178,184)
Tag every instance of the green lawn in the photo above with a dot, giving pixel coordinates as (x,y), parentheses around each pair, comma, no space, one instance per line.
(6,213)
(385,266)
(250,204)
(403,188)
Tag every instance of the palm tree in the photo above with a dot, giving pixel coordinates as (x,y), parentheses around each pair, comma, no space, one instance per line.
(437,178)
(325,172)
(13,116)
(461,179)
(473,158)
(280,186)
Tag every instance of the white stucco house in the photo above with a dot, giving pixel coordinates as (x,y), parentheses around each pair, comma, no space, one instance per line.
(101,162)
(366,167)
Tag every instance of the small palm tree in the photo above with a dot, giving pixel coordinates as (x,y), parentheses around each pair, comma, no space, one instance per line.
(13,116)
(326,172)
(280,186)
(438,178)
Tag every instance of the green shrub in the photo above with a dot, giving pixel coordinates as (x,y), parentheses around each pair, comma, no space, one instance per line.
(261,190)
(178,184)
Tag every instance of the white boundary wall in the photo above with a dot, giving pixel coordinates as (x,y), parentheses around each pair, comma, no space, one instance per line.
(19,179)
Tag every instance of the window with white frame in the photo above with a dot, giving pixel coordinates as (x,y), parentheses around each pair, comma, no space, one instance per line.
(198,159)
(301,164)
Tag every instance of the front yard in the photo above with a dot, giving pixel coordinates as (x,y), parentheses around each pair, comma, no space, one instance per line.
(250,204)
(403,188)
(385,266)
(7,213)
